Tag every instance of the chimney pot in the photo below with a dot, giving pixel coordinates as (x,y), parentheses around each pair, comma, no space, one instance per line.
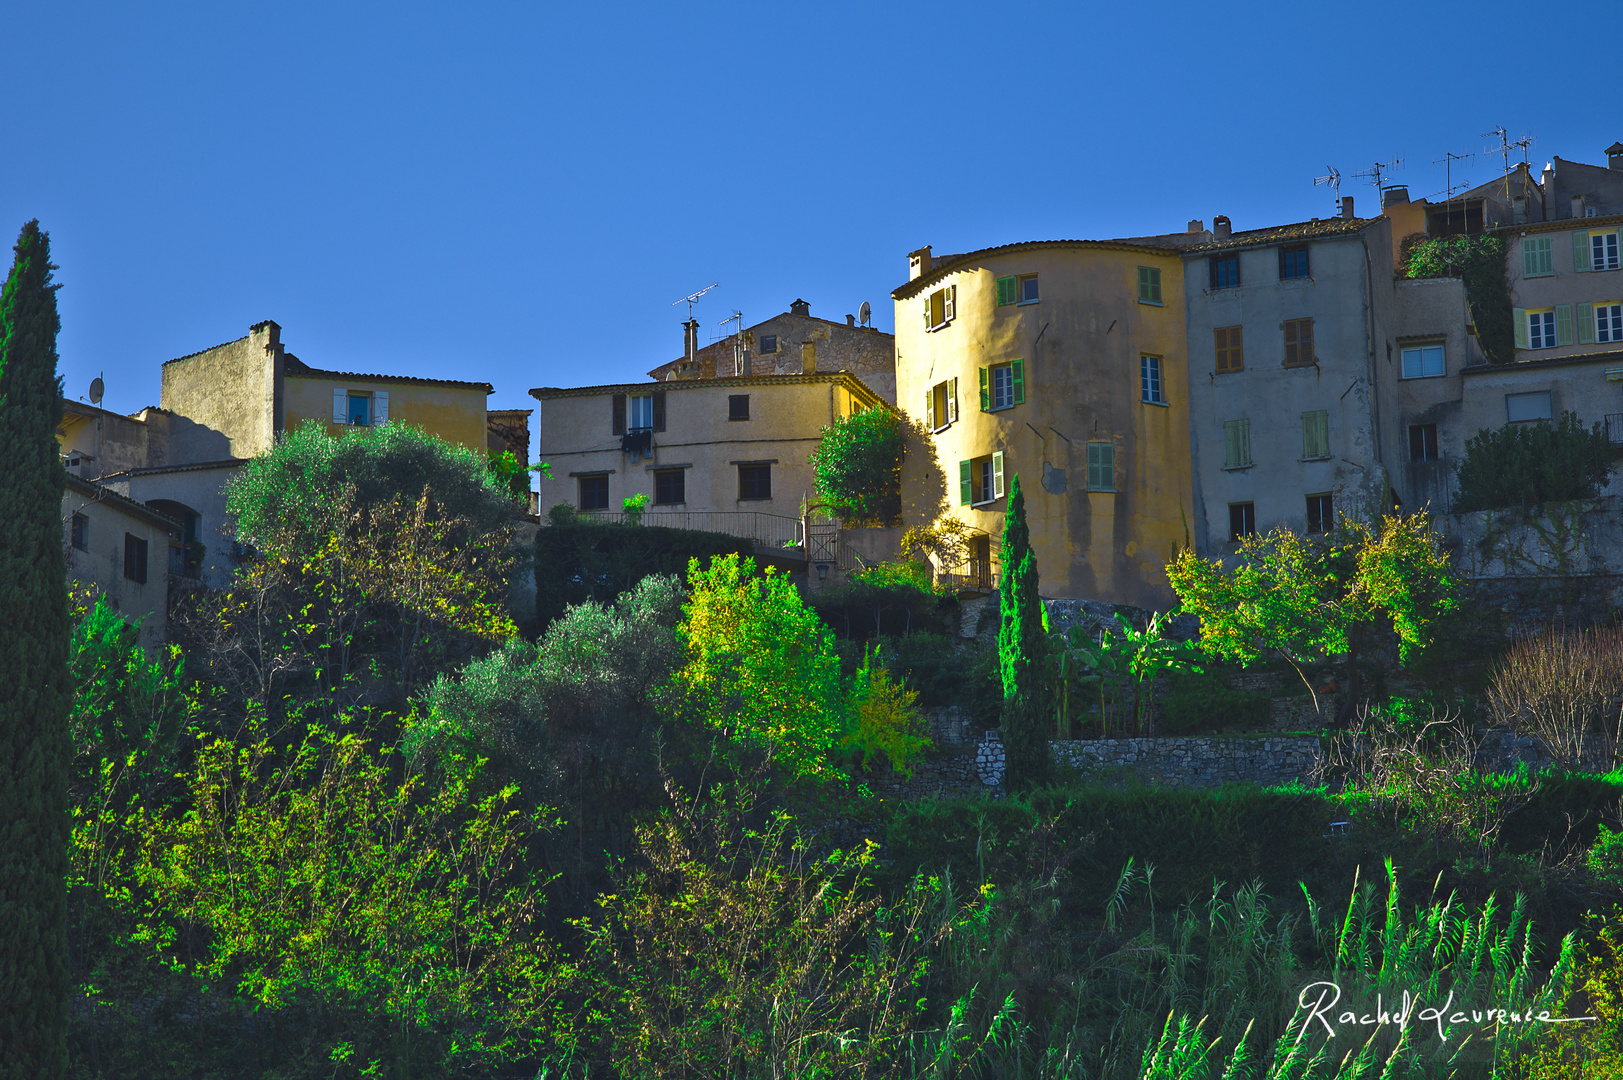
(850,320)
(918,263)
(1614,156)
(1221,229)
(690,338)
(800,307)
(1347,206)
(1396,195)
(808,357)
(1577,206)
(1196,225)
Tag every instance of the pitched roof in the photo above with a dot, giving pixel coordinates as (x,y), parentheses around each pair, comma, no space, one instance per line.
(298,369)
(548,393)
(101,493)
(1316,229)
(193,466)
(1609,357)
(947,264)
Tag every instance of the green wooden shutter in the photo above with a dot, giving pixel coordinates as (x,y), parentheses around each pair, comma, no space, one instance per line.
(1231,444)
(986,399)
(1019,376)
(965,493)
(929,408)
(997,474)
(1005,291)
(1155,284)
(1094,468)
(1520,317)
(949,301)
(1316,434)
(927,322)
(1245,442)
(1580,252)
(952,400)
(1529,257)
(1563,324)
(1586,323)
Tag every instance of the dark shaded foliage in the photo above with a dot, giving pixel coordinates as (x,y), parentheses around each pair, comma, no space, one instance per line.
(1528,464)
(577,561)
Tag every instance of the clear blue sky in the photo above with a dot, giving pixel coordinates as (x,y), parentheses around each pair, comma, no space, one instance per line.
(515,193)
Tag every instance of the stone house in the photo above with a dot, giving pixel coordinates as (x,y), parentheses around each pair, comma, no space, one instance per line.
(123,548)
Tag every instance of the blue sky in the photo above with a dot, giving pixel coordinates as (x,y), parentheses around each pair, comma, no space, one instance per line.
(516,193)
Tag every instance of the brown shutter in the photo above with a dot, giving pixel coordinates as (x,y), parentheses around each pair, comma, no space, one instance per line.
(1304,340)
(1291,350)
(659,410)
(619,414)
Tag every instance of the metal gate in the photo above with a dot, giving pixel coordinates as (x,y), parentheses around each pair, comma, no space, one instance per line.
(822,541)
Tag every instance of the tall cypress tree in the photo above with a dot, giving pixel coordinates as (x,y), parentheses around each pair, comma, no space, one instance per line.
(1021,647)
(35,749)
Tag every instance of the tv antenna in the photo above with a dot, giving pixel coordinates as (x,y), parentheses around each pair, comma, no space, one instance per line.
(1505,147)
(1447,161)
(691,298)
(1376,173)
(738,342)
(864,314)
(1331,181)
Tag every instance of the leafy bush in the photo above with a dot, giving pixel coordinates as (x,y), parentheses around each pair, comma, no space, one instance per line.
(1205,700)
(888,599)
(577,560)
(1528,464)
(1605,859)
(858,464)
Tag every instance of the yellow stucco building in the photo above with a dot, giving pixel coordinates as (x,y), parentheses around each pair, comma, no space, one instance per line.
(1062,362)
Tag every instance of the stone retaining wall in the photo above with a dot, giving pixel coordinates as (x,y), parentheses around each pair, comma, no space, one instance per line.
(1193,762)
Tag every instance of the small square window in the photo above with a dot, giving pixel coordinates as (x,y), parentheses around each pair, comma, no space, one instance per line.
(670,487)
(1423,362)
(754,482)
(1423,442)
(81,532)
(360,410)
(1299,343)
(594,493)
(738,406)
(1028,289)
(135,559)
(1149,380)
(769,343)
(1225,271)
(1242,520)
(1523,407)
(1292,263)
(1321,515)
(1230,349)
(1149,284)
(1101,466)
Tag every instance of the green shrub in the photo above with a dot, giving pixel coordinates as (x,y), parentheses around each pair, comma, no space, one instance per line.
(1528,464)
(577,560)
(858,463)
(1205,700)
(1606,856)
(888,599)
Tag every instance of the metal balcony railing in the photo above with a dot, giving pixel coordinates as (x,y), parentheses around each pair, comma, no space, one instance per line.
(769,531)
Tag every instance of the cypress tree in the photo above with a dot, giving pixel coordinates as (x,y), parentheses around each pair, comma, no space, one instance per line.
(35,749)
(1021,646)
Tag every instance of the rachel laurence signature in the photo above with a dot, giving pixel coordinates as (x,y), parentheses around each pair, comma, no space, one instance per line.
(1329,994)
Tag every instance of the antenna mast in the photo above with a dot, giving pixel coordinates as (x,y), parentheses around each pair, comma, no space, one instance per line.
(1505,147)
(738,341)
(1333,182)
(690,329)
(1376,172)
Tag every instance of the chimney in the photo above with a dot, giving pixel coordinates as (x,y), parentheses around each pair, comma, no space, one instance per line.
(800,307)
(1347,206)
(690,339)
(1196,226)
(808,357)
(850,320)
(1614,156)
(1548,180)
(1518,209)
(1220,227)
(918,263)
(1577,206)
(1396,195)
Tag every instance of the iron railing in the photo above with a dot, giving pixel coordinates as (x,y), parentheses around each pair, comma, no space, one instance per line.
(767,530)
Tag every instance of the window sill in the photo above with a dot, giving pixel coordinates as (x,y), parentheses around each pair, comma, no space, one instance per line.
(1296,281)
(987,502)
(1101,491)
(1301,364)
(1238,468)
(1159,404)
(737,419)
(1027,303)
(938,326)
(1001,408)
(1421,378)
(1230,371)
(755,498)
(943,427)
(668,505)
(1326,457)
(1151,303)
(1550,273)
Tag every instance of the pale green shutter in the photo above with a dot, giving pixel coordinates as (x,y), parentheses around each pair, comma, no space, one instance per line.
(1316,434)
(1155,284)
(929,408)
(1245,442)
(986,399)
(1236,444)
(997,474)
(1520,317)
(1586,323)
(952,400)
(950,303)
(966,492)
(1019,377)
(1580,251)
(1099,466)
(1563,324)
(927,322)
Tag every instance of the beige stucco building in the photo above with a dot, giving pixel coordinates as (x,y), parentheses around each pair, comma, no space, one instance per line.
(692,446)
(123,548)
(1063,362)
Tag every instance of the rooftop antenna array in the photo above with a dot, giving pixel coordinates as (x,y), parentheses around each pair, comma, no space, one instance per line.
(738,342)
(692,335)
(1504,149)
(1376,173)
(1333,182)
(1447,162)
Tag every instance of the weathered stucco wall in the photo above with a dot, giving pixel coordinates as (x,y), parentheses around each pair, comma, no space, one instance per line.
(101,562)
(201,490)
(453,413)
(1582,539)
(865,352)
(1080,345)
(228,393)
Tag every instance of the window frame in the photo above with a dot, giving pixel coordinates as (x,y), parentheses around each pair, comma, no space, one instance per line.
(365,402)
(1615,330)
(1243,525)
(1017,385)
(1323,504)
(1216,261)
(1021,281)
(758,471)
(135,559)
(1426,443)
(941,405)
(580,491)
(769,345)
(1151,386)
(733,407)
(1421,348)
(978,474)
(1231,349)
(663,477)
(1240,443)
(1546,337)
(1102,466)
(1149,286)
(79,532)
(1292,329)
(632,402)
(940,316)
(1008,290)
(1287,261)
(1609,252)
(1549,406)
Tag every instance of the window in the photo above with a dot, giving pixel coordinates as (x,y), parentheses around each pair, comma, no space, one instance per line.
(670,487)
(1149,380)
(754,482)
(1315,435)
(1614,428)
(135,558)
(1003,386)
(1321,515)
(1101,466)
(1028,289)
(980,480)
(941,405)
(1520,407)
(738,406)
(81,532)
(360,409)
(1225,271)
(1423,361)
(1230,354)
(647,412)
(1423,442)
(769,343)
(1242,520)
(1537,259)
(1608,322)
(594,492)
(1299,342)
(1292,263)
(1236,444)
(1541,329)
(1149,284)
(940,307)
(642,412)
(1603,251)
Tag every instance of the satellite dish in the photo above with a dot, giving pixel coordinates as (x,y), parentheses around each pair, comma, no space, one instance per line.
(864,313)
(97,388)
